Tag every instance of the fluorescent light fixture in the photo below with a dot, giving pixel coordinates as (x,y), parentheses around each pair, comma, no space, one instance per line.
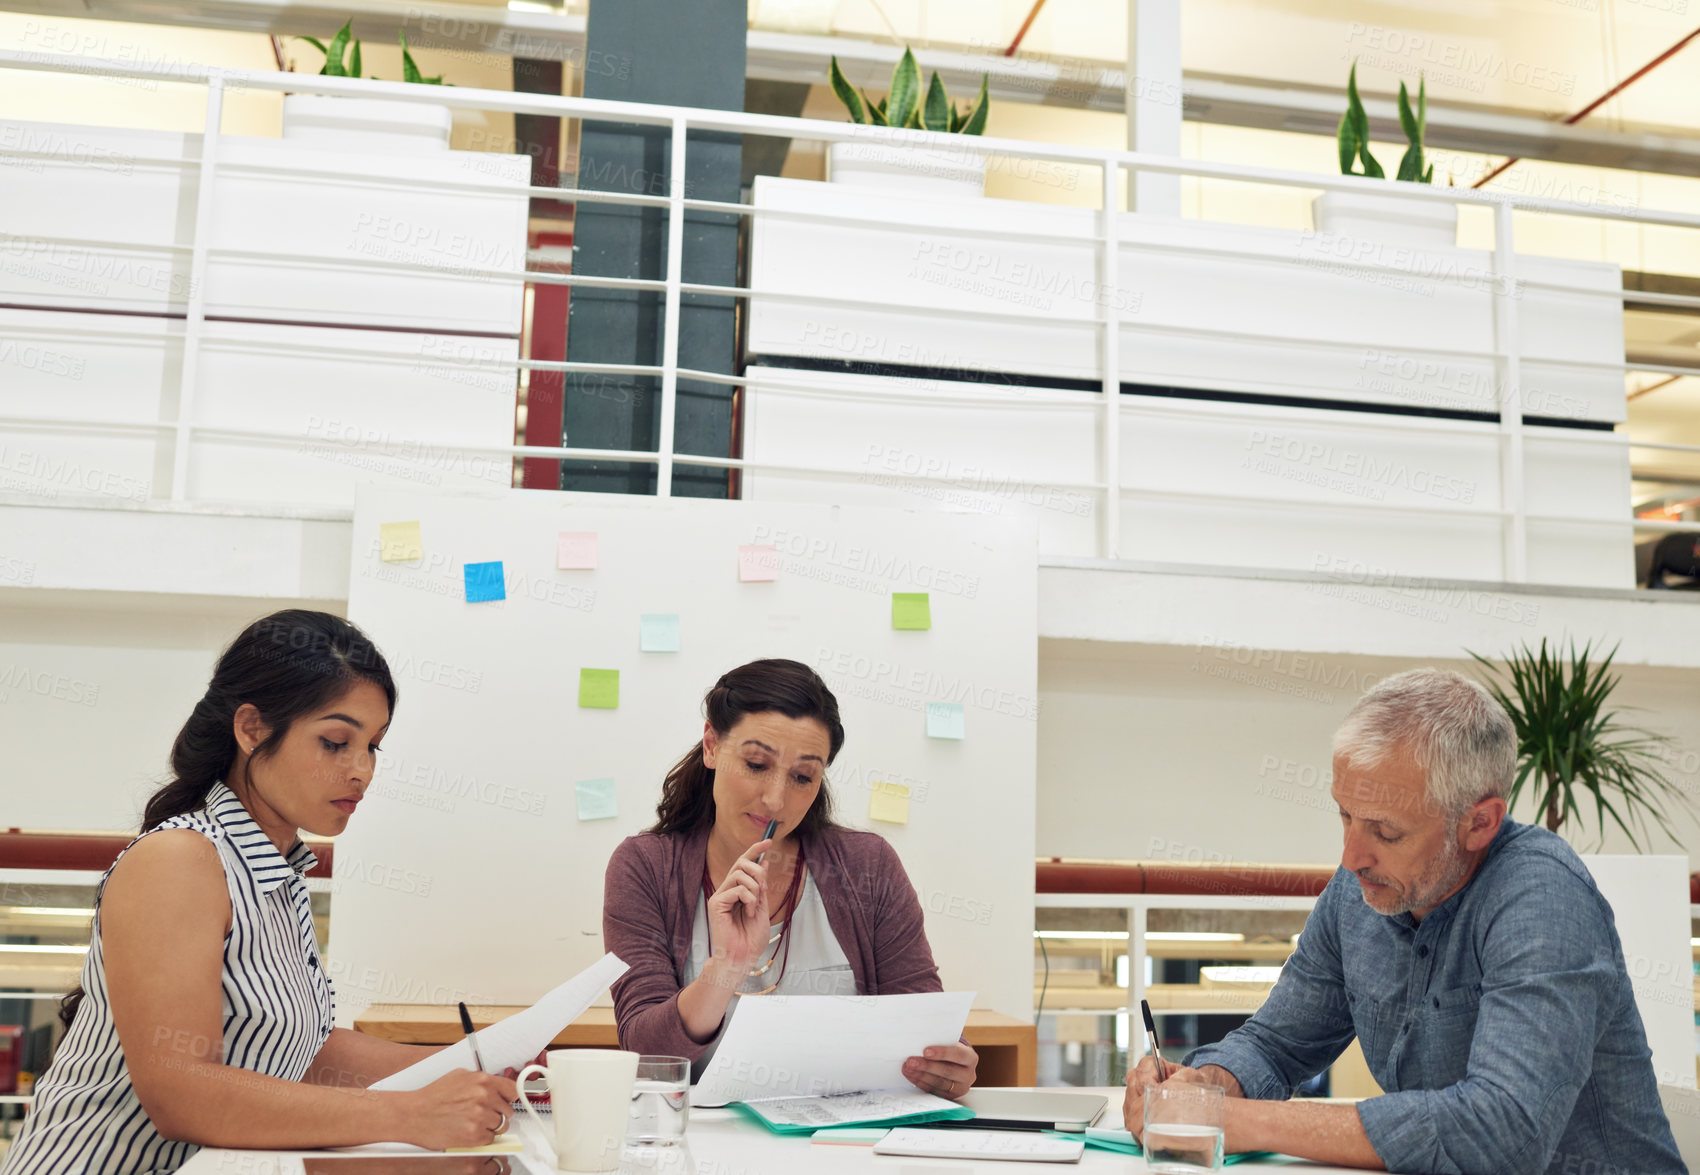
(47,911)
(1241,974)
(1107,935)
(532,6)
(42,950)
(1192,936)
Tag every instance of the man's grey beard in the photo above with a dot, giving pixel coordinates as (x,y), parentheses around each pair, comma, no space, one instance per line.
(1443,873)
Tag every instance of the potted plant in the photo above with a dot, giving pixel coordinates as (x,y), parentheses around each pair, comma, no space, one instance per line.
(907,152)
(1421,223)
(365,124)
(1572,753)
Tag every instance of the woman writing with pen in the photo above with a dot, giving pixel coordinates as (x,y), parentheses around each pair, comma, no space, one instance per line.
(708,907)
(204,1016)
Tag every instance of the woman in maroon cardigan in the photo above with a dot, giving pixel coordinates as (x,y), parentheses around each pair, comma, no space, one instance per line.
(706,909)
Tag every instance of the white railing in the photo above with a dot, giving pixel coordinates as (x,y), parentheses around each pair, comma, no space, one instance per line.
(1514,514)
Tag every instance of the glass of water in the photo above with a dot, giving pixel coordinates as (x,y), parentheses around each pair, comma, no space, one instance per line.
(660,1101)
(1183,1128)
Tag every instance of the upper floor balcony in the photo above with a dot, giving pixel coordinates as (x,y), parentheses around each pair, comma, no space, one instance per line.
(208,340)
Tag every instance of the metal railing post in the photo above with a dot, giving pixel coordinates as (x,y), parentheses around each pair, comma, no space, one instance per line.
(195,321)
(670,335)
(1109,358)
(1509,343)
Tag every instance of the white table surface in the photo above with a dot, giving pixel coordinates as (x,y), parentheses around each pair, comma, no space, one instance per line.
(723,1142)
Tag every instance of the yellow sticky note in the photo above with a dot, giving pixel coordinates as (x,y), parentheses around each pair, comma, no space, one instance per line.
(399,542)
(509,1143)
(889,802)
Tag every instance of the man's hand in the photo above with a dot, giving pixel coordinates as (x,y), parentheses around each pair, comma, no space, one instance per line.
(1144,1075)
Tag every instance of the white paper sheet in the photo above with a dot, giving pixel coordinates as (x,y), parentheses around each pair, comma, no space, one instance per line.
(820,1045)
(980,1144)
(516,1041)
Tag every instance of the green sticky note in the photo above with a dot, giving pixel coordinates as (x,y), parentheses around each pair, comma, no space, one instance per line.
(599,689)
(596,799)
(659,632)
(911,611)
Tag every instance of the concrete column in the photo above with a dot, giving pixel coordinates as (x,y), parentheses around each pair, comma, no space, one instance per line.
(1154,99)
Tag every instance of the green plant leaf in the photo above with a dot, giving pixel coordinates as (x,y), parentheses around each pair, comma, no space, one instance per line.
(409,67)
(876,113)
(914,122)
(337,47)
(935,112)
(846,93)
(317,44)
(905,90)
(1408,117)
(1347,142)
(975,123)
(1355,109)
(1371,167)
(957,118)
(354,61)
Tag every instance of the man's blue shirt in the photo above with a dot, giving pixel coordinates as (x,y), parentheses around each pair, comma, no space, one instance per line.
(1503,1026)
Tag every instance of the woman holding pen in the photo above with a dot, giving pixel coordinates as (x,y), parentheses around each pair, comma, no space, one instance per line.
(204,1013)
(744,886)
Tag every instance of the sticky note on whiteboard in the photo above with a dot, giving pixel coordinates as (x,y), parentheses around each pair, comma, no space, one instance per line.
(889,802)
(599,689)
(399,542)
(946,720)
(575,550)
(911,611)
(659,632)
(596,799)
(758,564)
(484,582)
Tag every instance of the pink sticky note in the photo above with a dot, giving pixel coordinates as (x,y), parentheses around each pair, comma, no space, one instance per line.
(758,564)
(576,550)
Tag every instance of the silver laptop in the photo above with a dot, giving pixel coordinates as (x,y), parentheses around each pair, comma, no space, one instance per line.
(1032,1109)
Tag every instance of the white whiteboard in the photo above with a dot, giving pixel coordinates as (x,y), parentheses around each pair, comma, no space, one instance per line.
(466,873)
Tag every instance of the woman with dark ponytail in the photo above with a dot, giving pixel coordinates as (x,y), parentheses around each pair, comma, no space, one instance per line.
(706,908)
(204,1013)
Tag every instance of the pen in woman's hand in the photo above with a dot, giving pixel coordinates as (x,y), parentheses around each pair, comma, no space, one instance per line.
(471,1037)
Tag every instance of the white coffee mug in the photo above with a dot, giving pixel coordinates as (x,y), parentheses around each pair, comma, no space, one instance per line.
(590,1095)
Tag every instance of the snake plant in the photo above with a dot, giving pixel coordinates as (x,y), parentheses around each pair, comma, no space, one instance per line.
(1352,136)
(1572,752)
(336,67)
(905,106)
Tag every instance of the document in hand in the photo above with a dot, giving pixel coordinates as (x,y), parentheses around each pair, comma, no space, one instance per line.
(511,1043)
(784,1046)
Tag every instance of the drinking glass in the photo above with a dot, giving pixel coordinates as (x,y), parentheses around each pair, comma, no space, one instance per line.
(1183,1128)
(660,1101)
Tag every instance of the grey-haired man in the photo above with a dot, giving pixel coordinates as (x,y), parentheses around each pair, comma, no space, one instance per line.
(1471,955)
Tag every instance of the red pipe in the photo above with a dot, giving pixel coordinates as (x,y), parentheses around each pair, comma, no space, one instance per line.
(93,852)
(1022,31)
(1603,98)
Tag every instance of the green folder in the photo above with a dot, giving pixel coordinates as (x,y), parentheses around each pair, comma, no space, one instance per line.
(752,1110)
(1123,1143)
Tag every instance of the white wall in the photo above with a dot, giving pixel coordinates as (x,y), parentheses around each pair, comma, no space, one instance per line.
(482,877)
(91,694)
(1214,757)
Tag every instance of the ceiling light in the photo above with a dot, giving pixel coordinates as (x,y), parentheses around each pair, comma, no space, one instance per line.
(1240,974)
(32,949)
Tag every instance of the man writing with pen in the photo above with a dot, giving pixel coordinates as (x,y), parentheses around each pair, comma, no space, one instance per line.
(1471,955)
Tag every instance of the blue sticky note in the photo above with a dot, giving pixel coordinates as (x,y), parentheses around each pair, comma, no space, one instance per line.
(946,720)
(659,632)
(484,582)
(596,799)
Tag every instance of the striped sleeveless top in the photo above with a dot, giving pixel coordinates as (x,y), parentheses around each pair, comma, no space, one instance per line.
(277,1012)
